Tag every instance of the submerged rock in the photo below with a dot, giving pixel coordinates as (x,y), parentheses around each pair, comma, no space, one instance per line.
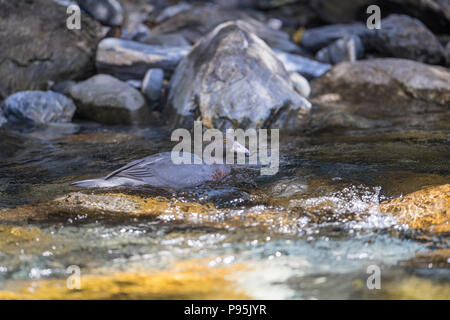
(108,12)
(193,279)
(231,77)
(349,48)
(38,107)
(105,99)
(427,209)
(405,37)
(410,91)
(127,60)
(165,40)
(195,22)
(27,64)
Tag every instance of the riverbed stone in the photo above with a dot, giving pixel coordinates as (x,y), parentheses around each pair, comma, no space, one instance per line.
(411,92)
(197,21)
(108,12)
(301,85)
(231,77)
(316,38)
(38,107)
(130,60)
(108,100)
(404,37)
(427,209)
(152,84)
(27,64)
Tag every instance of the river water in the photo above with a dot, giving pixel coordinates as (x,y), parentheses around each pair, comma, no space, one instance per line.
(309,232)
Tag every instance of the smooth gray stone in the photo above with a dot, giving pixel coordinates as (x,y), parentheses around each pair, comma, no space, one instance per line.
(38,107)
(307,67)
(401,36)
(164,40)
(316,38)
(108,12)
(127,59)
(301,85)
(108,100)
(228,84)
(152,84)
(419,92)
(349,48)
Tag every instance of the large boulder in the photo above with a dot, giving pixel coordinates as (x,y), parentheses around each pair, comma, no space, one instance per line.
(37,47)
(38,107)
(197,21)
(395,90)
(232,78)
(108,100)
(404,37)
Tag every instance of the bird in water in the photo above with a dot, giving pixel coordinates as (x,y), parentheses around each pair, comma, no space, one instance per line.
(160,171)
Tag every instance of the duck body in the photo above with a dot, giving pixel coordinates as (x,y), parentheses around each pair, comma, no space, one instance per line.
(159,171)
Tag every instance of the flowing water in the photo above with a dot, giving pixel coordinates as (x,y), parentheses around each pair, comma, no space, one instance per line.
(308,232)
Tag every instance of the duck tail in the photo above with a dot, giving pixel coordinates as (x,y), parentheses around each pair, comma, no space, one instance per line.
(93,183)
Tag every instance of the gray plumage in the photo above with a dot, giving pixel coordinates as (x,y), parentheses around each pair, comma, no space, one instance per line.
(159,171)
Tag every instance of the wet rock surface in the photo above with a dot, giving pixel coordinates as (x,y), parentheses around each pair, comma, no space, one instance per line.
(425,209)
(349,48)
(69,54)
(228,84)
(108,100)
(38,107)
(413,87)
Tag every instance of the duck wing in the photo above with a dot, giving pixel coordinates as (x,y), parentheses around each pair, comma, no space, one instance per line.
(138,169)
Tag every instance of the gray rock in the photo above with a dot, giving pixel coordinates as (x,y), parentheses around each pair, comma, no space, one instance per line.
(395,90)
(152,84)
(108,12)
(401,36)
(197,21)
(301,85)
(63,87)
(349,48)
(172,11)
(107,100)
(2,118)
(127,59)
(165,40)
(232,78)
(38,107)
(26,63)
(316,38)
(307,67)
